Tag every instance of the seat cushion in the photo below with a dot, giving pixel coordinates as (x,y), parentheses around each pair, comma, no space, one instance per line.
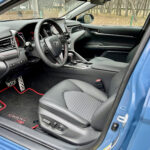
(77,97)
(81,104)
(100,59)
(103,63)
(67,109)
(129,57)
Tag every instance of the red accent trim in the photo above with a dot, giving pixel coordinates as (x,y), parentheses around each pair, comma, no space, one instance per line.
(4,105)
(17,41)
(4,89)
(20,121)
(98,80)
(34,127)
(27,90)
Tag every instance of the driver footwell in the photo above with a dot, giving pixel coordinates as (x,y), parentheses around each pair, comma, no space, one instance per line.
(20,107)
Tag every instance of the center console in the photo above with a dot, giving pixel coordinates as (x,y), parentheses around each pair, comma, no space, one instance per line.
(78,62)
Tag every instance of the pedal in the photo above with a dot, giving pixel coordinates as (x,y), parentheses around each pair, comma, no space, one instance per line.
(21,84)
(10,83)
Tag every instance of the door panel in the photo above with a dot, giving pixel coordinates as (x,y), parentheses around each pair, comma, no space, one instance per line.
(99,40)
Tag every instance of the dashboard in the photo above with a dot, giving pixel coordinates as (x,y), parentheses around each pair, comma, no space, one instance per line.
(26,34)
(14,35)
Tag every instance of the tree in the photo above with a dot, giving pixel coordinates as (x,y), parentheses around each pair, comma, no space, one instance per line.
(126,8)
(133,9)
(35,6)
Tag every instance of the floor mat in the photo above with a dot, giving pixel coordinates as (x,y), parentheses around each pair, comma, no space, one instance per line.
(21,107)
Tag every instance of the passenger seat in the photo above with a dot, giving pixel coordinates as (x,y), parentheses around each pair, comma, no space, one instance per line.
(98,60)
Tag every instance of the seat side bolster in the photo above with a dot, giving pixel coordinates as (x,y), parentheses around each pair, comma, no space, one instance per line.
(101,115)
(63,113)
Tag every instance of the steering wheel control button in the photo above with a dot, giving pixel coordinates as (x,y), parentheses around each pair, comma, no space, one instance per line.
(69,41)
(54,45)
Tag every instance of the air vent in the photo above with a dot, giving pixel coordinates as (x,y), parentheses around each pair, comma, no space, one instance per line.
(7,44)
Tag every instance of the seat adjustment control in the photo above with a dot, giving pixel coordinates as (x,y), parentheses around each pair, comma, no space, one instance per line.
(46,121)
(54,124)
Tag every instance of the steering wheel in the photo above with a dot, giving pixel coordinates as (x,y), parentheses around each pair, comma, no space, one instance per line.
(53,49)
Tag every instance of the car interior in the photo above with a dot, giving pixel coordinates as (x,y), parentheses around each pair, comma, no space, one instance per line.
(60,77)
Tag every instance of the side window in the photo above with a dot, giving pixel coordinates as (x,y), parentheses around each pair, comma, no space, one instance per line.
(120,13)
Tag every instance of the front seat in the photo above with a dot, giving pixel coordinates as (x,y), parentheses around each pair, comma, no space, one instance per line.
(98,60)
(76,111)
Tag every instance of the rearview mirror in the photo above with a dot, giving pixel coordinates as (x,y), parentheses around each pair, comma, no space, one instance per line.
(87,18)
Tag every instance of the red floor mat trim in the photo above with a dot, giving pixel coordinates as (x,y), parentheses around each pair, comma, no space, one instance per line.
(4,89)
(28,89)
(4,105)
(34,127)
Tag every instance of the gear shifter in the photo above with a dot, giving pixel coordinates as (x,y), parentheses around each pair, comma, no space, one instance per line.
(71,59)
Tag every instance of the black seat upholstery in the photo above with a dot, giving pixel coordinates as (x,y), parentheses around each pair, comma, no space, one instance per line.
(76,111)
(98,60)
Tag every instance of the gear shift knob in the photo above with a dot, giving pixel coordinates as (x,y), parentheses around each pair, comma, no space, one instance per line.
(70,56)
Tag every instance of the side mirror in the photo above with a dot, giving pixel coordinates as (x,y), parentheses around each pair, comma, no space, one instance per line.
(87,18)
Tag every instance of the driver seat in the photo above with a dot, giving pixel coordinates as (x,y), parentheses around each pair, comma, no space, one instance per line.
(77,111)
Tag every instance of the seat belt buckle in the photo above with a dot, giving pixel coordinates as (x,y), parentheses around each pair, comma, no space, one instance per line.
(99,84)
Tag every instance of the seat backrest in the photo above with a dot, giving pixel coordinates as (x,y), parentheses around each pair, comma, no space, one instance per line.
(100,116)
(131,54)
(116,81)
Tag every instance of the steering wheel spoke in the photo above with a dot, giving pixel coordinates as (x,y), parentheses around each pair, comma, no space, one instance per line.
(43,46)
(60,59)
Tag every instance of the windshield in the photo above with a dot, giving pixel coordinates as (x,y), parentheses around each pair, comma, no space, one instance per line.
(32,9)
